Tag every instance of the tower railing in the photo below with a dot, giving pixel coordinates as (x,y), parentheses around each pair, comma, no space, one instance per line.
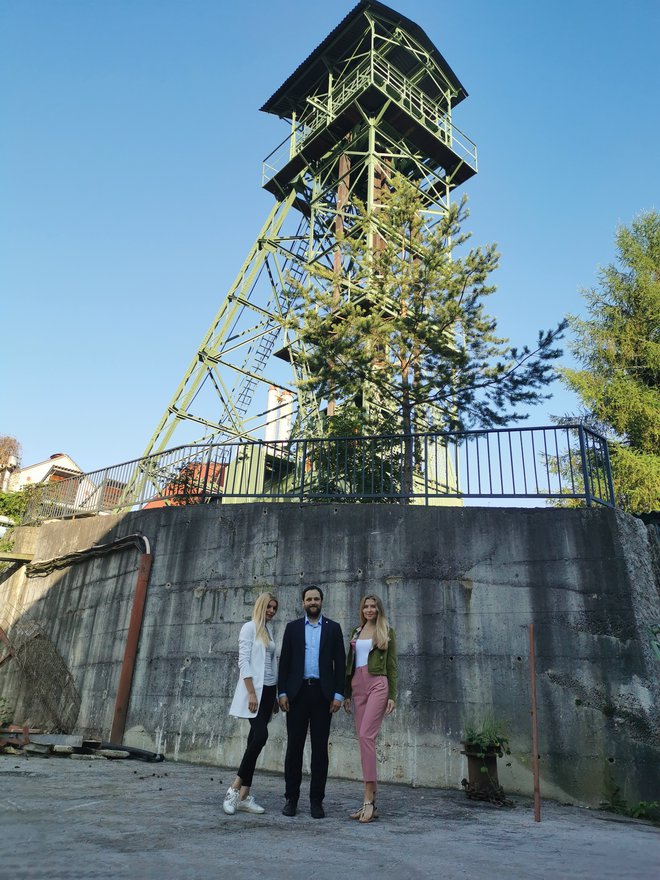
(372,71)
(566,464)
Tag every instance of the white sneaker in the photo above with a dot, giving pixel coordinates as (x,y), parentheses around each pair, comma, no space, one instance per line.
(249,805)
(230,801)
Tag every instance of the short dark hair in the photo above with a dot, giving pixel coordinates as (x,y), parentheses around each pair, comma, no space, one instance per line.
(312,587)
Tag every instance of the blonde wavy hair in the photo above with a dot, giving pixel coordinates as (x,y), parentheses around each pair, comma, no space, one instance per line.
(382,639)
(259,615)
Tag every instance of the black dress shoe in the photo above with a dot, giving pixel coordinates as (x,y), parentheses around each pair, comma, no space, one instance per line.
(289,808)
(316,809)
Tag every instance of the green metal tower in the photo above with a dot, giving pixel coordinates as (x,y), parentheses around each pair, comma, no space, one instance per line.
(375,96)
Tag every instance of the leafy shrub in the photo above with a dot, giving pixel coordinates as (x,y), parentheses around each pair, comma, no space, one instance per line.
(489,736)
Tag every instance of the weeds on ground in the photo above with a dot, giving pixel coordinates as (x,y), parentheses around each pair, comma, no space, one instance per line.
(616,803)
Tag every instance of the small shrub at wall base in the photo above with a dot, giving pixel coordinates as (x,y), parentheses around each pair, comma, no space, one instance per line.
(649,810)
(483,744)
(616,803)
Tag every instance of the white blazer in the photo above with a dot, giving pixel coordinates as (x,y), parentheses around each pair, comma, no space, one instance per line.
(251,664)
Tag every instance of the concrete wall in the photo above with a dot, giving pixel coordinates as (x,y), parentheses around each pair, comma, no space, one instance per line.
(461,586)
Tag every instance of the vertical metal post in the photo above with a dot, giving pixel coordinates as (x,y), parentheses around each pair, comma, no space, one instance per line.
(130,651)
(426,469)
(585,467)
(608,473)
(293,146)
(372,50)
(302,473)
(371,170)
(535,744)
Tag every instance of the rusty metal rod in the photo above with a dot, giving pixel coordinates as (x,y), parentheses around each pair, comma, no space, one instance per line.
(130,650)
(535,744)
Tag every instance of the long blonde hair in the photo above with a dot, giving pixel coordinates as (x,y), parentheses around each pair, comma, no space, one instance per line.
(259,616)
(382,639)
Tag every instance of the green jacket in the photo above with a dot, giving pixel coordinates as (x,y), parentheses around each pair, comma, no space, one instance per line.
(381,662)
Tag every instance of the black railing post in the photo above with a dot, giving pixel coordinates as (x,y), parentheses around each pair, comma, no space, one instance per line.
(207,470)
(426,470)
(604,445)
(585,466)
(608,472)
(302,472)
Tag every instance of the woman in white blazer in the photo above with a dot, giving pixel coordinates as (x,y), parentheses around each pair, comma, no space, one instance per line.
(254,698)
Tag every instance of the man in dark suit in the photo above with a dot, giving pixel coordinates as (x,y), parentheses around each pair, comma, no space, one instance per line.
(311,687)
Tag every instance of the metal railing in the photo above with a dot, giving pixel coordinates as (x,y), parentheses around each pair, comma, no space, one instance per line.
(568,464)
(381,73)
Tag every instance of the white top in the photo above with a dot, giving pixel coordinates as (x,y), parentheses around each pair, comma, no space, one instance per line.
(362,648)
(270,663)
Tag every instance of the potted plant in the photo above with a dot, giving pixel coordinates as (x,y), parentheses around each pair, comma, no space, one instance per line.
(483,744)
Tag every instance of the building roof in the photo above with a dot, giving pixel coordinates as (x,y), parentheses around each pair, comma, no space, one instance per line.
(302,81)
(59,464)
(54,461)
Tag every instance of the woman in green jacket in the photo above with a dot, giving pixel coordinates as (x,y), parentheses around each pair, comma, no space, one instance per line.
(371,682)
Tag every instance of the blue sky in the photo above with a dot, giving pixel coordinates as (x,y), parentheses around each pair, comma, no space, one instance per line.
(130,180)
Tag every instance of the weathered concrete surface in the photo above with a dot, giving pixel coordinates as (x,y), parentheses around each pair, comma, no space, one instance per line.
(124,819)
(461,586)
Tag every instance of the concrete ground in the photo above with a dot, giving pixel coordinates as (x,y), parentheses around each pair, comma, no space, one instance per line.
(101,819)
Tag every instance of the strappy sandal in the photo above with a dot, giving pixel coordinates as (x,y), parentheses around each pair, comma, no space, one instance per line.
(358,813)
(368,813)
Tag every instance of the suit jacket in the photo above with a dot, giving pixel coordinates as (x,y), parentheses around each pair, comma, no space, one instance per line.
(332,659)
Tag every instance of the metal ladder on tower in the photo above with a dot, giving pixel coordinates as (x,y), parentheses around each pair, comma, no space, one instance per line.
(259,357)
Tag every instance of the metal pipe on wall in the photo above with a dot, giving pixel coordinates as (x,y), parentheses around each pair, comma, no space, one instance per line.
(131,647)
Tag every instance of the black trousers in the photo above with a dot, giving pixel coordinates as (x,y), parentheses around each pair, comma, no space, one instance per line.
(258,736)
(309,711)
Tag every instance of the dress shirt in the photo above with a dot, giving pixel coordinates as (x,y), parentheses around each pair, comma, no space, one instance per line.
(312,646)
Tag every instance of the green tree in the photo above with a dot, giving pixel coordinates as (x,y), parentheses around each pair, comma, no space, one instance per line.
(618,347)
(399,334)
(14,504)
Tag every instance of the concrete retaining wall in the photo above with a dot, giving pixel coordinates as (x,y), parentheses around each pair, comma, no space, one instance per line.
(461,587)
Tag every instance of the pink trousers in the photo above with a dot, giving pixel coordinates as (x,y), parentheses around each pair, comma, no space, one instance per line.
(369,704)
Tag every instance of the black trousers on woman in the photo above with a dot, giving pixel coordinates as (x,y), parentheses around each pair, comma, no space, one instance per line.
(258,735)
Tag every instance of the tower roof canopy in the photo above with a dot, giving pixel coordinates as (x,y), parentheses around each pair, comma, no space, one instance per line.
(337,46)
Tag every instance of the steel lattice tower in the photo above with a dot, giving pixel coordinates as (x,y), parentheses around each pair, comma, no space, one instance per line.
(376,96)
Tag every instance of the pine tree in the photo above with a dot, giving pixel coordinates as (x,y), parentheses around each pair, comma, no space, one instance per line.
(398,335)
(618,346)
